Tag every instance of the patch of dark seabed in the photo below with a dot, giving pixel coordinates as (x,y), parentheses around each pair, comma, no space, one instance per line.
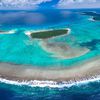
(92,45)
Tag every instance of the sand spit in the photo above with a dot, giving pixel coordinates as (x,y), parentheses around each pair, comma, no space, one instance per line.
(80,71)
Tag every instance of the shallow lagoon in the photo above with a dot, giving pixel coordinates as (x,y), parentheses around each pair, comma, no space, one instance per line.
(14,49)
(20,49)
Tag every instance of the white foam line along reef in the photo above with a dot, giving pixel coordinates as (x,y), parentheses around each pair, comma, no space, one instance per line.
(75,73)
(51,84)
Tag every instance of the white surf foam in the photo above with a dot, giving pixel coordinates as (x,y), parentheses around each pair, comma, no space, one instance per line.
(8,32)
(91,19)
(51,84)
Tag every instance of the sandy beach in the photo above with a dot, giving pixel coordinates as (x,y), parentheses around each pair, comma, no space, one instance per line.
(80,71)
(29,33)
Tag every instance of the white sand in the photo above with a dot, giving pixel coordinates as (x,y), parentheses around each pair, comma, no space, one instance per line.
(8,32)
(76,72)
(28,33)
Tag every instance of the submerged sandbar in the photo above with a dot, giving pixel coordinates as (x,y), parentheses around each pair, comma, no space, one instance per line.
(62,50)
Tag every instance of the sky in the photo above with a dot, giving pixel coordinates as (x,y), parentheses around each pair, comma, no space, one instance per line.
(50,4)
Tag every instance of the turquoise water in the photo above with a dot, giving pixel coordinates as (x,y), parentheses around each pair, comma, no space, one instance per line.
(20,49)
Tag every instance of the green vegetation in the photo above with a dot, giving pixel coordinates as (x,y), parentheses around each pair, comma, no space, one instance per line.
(48,34)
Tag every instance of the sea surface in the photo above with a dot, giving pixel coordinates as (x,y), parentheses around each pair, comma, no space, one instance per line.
(20,49)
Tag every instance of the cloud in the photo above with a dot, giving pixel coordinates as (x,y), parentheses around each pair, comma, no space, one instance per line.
(21,4)
(78,4)
(34,4)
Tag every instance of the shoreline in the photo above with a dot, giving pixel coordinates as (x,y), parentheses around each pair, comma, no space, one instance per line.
(8,32)
(78,72)
(28,33)
(51,84)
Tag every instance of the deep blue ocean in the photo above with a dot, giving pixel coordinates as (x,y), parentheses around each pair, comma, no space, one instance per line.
(90,91)
(18,49)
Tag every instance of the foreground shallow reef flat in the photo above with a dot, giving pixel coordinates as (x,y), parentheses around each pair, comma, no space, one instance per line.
(95,16)
(45,34)
(83,70)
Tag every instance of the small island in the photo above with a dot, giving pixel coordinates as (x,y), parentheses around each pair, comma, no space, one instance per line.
(95,16)
(7,32)
(1,32)
(90,13)
(47,33)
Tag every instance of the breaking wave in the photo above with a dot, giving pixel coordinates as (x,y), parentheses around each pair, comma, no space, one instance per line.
(51,84)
